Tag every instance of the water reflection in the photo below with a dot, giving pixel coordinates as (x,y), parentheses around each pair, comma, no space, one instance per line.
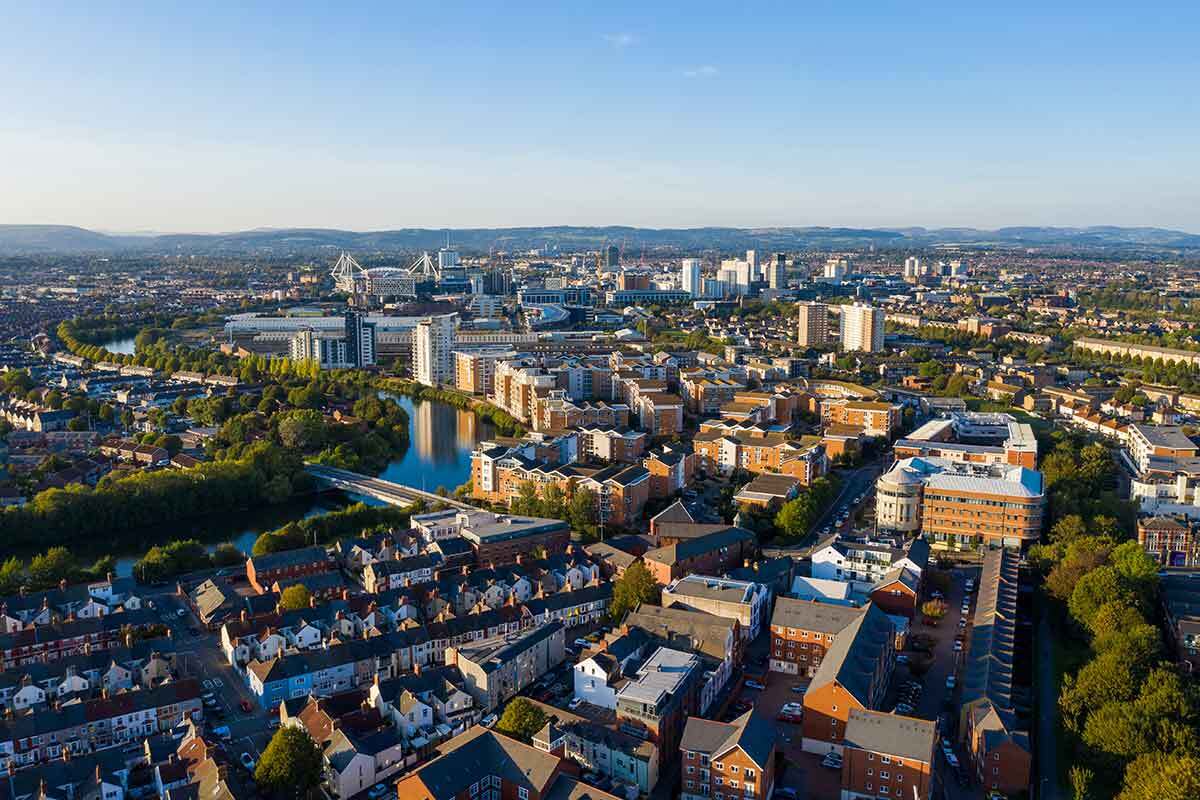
(441,440)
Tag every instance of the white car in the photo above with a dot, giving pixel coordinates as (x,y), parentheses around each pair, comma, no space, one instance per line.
(754,685)
(575,703)
(247,761)
(181,612)
(489,720)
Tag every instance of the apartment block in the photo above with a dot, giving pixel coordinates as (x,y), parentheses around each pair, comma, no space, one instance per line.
(722,597)
(888,757)
(754,449)
(854,674)
(862,328)
(710,554)
(813,325)
(802,631)
(496,671)
(732,760)
(874,418)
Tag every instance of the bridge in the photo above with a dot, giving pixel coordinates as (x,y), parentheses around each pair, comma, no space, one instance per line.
(395,494)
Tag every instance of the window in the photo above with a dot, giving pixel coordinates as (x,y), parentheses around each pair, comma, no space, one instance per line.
(719,780)
(691,770)
(885,759)
(870,756)
(474,789)
(870,771)
(691,754)
(884,775)
(733,768)
(995,756)
(522,793)
(883,789)
(718,765)
(995,770)
(870,787)
(749,774)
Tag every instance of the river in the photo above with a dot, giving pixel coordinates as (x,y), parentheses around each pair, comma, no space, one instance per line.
(441,439)
(122,345)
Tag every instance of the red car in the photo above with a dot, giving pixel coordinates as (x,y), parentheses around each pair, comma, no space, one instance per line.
(245,706)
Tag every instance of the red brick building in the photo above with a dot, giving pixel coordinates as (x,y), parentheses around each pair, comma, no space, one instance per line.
(732,760)
(887,757)
(711,554)
(262,571)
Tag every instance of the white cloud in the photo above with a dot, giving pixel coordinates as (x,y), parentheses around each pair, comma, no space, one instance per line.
(706,71)
(622,39)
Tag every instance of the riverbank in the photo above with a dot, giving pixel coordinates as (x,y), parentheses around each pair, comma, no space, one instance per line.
(505,423)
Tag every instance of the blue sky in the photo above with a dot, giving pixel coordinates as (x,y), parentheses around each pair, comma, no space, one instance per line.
(137,117)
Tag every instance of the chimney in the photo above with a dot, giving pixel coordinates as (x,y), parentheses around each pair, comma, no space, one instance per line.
(520,558)
(416,668)
(244,616)
(746,563)
(466,570)
(345,594)
(312,601)
(62,584)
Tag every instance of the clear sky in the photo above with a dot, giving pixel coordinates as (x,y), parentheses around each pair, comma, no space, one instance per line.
(214,116)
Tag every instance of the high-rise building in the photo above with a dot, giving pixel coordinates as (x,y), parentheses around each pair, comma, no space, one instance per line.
(836,269)
(690,270)
(433,343)
(612,256)
(360,340)
(447,258)
(912,268)
(752,260)
(813,328)
(862,328)
(777,272)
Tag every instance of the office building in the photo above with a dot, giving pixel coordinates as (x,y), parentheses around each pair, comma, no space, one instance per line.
(612,257)
(777,272)
(752,260)
(691,277)
(960,505)
(862,328)
(433,346)
(836,270)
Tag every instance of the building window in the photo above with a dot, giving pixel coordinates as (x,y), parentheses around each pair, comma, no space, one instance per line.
(885,759)
(733,768)
(870,771)
(522,793)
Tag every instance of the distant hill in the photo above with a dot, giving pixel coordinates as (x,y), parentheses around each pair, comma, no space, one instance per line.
(47,239)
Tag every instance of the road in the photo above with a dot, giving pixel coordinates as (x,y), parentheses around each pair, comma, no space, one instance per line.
(1047,753)
(856,482)
(199,655)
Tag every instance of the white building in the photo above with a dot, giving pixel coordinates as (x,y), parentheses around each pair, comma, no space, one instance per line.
(691,277)
(862,328)
(835,270)
(433,345)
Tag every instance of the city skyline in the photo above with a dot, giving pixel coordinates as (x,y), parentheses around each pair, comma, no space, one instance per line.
(473,117)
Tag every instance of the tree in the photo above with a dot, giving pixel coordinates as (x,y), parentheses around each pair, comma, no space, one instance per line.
(226,555)
(635,586)
(291,765)
(933,609)
(522,719)
(1068,529)
(12,575)
(1158,776)
(1101,585)
(1081,782)
(582,513)
(302,430)
(51,567)
(295,597)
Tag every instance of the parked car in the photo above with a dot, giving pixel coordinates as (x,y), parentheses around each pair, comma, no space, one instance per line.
(754,685)
(575,703)
(223,733)
(832,760)
(797,690)
(489,720)
(377,791)
(904,708)
(582,643)
(950,681)
(247,761)
(902,658)
(245,706)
